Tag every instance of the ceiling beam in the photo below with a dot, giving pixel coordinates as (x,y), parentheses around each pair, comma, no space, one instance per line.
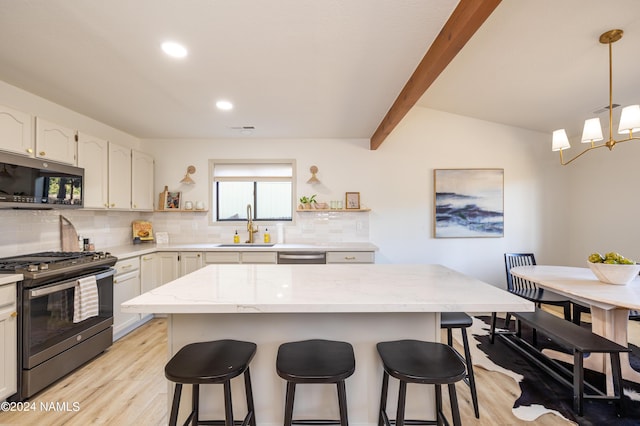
(465,20)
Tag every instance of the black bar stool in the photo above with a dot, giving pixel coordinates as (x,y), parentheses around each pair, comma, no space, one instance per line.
(415,361)
(215,362)
(315,361)
(449,321)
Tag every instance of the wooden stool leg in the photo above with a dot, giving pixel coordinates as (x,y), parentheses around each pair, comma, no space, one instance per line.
(249,394)
(440,419)
(288,407)
(228,407)
(470,375)
(383,399)
(175,406)
(453,397)
(342,403)
(492,331)
(402,397)
(195,403)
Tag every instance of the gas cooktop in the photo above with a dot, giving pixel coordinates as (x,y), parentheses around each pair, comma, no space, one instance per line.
(53,263)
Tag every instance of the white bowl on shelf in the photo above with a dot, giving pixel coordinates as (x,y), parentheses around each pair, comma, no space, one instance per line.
(614,273)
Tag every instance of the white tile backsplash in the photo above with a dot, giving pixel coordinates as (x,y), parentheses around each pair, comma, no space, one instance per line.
(29,231)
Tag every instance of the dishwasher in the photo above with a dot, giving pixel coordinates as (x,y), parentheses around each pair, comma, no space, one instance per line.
(302,257)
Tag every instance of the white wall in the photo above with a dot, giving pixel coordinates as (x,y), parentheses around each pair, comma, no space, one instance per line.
(396,182)
(604,206)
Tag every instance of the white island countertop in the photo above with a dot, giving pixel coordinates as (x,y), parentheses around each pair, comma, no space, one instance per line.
(266,288)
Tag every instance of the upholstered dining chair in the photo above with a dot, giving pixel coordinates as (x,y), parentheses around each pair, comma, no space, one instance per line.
(528,290)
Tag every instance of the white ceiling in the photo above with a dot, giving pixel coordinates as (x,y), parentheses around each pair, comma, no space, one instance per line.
(539,65)
(313,68)
(293,68)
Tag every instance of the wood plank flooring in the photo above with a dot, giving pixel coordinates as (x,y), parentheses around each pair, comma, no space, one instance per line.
(126,386)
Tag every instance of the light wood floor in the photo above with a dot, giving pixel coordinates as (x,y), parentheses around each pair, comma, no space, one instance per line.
(126,386)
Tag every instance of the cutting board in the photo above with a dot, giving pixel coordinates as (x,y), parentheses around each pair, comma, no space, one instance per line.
(68,235)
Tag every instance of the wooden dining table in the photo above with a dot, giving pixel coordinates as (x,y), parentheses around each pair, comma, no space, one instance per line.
(610,305)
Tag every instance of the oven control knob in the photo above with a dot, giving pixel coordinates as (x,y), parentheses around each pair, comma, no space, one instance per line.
(32,268)
(43,266)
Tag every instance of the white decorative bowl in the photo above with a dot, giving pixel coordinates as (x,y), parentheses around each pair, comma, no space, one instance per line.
(614,274)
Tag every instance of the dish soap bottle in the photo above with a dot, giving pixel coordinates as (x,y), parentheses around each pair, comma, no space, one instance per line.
(236,237)
(267,236)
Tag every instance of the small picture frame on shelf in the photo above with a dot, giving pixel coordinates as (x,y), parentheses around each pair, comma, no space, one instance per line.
(172,201)
(352,200)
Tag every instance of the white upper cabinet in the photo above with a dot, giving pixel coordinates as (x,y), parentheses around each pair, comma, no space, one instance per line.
(119,177)
(142,194)
(16,134)
(93,156)
(55,142)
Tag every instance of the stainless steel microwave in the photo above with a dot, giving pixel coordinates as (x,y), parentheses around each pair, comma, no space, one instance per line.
(32,183)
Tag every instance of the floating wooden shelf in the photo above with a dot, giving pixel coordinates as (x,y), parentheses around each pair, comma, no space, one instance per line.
(332,210)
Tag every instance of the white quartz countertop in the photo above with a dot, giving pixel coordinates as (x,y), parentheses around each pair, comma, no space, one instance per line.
(131,250)
(10,278)
(266,288)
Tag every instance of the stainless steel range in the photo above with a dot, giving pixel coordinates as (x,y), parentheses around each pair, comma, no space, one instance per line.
(52,340)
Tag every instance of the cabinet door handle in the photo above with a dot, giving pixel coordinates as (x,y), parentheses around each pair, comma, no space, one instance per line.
(106,204)
(113,204)
(43,153)
(349,258)
(30,150)
(14,314)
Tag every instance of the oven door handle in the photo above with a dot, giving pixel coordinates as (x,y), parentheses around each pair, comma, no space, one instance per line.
(39,292)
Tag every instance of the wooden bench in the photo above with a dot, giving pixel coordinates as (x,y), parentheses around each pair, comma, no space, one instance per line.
(579,341)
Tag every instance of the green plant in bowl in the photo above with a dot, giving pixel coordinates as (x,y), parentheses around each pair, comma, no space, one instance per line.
(613,268)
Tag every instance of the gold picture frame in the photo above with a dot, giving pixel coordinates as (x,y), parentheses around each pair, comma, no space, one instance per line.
(352,201)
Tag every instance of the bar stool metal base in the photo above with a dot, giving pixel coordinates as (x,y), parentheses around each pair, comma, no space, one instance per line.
(414,361)
(461,320)
(215,362)
(315,361)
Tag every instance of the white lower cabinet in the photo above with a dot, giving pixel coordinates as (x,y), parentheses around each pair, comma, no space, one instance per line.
(172,264)
(8,340)
(126,285)
(148,272)
(189,262)
(350,257)
(167,267)
(241,257)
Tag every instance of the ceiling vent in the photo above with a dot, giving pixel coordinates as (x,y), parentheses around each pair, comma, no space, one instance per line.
(606,108)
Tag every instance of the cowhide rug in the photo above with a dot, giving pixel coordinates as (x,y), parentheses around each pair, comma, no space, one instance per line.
(541,394)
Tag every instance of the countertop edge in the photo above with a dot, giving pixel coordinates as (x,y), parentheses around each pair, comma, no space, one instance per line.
(132,250)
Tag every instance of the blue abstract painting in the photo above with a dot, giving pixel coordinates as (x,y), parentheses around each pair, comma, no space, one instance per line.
(469,203)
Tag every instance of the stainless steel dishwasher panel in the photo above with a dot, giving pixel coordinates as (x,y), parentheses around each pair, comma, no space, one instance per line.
(302,257)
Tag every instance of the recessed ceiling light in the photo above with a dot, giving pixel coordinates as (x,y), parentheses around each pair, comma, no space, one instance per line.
(173,49)
(224,105)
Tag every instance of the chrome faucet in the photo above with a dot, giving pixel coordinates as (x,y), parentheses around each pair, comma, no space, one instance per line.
(250,227)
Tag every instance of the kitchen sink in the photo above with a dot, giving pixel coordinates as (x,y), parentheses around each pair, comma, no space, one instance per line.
(247,245)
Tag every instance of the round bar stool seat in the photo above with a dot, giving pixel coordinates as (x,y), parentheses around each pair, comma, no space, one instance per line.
(315,361)
(214,362)
(449,321)
(415,361)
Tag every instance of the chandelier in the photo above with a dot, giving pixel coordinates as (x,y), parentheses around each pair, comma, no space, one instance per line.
(592,132)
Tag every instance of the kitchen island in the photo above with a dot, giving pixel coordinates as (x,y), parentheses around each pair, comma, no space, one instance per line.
(271,304)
